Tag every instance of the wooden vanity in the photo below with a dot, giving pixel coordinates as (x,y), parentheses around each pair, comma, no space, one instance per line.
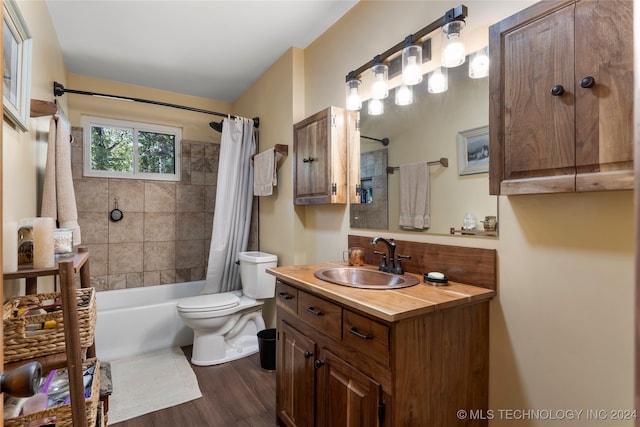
(365,357)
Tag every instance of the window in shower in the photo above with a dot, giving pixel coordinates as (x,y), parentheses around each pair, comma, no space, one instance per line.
(125,149)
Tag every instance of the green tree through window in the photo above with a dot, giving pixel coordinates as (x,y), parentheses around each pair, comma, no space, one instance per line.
(157,152)
(111,149)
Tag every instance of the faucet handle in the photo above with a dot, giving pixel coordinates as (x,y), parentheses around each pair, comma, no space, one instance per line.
(398,268)
(383,261)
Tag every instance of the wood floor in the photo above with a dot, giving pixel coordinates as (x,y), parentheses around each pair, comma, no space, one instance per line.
(234,394)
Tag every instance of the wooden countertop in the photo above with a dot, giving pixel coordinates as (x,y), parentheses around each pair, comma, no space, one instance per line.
(388,305)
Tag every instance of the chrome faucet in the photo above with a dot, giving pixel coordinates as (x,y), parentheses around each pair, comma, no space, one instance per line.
(391,248)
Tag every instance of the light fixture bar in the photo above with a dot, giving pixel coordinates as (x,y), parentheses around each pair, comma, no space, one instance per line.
(457,13)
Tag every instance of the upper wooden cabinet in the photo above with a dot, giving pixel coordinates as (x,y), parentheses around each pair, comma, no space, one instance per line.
(320,158)
(561,98)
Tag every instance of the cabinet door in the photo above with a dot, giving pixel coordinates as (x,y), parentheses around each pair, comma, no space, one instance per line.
(561,98)
(295,377)
(345,396)
(532,131)
(320,158)
(604,111)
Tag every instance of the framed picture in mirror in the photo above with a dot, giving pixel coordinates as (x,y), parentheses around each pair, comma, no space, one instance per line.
(473,151)
(16,77)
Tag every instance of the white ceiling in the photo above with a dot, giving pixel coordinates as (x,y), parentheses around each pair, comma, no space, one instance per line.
(207,48)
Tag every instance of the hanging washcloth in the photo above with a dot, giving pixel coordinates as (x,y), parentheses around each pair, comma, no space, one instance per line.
(264,173)
(414,196)
(58,195)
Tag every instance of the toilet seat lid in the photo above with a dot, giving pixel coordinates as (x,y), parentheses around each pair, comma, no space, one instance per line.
(209,302)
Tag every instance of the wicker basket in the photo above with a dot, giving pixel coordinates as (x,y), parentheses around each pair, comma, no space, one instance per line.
(20,345)
(63,413)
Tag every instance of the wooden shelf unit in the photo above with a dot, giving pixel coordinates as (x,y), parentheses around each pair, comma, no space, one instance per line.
(66,269)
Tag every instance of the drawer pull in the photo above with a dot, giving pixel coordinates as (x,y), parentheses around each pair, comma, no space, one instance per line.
(315,312)
(355,332)
(285,295)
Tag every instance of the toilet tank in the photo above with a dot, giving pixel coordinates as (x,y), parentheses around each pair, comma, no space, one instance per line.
(256,282)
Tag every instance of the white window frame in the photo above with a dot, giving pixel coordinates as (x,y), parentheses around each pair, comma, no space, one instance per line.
(88,121)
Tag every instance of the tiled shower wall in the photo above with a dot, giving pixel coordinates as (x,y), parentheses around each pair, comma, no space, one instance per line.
(375,215)
(165,233)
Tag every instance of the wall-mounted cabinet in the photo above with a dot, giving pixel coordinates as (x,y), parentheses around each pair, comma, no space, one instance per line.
(321,161)
(561,98)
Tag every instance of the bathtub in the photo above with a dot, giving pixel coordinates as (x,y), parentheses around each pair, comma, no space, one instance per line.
(141,320)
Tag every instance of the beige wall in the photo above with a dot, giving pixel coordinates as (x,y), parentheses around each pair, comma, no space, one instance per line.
(24,153)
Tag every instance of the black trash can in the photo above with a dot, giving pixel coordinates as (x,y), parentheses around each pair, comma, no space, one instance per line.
(267,348)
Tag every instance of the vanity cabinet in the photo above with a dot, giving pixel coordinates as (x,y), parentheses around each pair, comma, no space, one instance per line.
(320,158)
(339,366)
(561,98)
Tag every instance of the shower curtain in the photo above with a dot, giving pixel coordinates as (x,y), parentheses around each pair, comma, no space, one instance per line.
(234,198)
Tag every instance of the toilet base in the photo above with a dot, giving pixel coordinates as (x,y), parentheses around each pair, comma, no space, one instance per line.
(245,346)
(241,341)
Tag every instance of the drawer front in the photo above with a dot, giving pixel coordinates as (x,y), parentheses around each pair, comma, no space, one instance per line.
(287,297)
(367,336)
(321,314)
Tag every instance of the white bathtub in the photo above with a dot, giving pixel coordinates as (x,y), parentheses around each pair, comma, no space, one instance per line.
(141,320)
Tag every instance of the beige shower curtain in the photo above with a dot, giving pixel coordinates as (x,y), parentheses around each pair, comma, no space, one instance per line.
(58,195)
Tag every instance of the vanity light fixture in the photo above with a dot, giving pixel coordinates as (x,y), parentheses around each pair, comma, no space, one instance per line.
(438,80)
(375,107)
(410,53)
(354,103)
(404,95)
(380,85)
(453,51)
(479,63)
(411,63)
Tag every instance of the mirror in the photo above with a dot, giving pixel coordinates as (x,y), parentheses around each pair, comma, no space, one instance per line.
(435,126)
(449,125)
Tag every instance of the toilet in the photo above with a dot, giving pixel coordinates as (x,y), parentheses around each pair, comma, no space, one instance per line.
(226,325)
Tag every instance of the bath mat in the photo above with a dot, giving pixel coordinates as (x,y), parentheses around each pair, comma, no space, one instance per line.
(150,382)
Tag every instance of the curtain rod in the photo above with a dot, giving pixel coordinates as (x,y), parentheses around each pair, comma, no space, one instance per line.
(59,90)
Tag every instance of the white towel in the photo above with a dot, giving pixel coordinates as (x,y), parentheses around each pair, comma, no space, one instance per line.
(414,196)
(58,195)
(265,173)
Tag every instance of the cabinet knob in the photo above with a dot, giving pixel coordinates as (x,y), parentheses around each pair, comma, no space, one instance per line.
(308,160)
(319,363)
(308,354)
(557,90)
(587,82)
